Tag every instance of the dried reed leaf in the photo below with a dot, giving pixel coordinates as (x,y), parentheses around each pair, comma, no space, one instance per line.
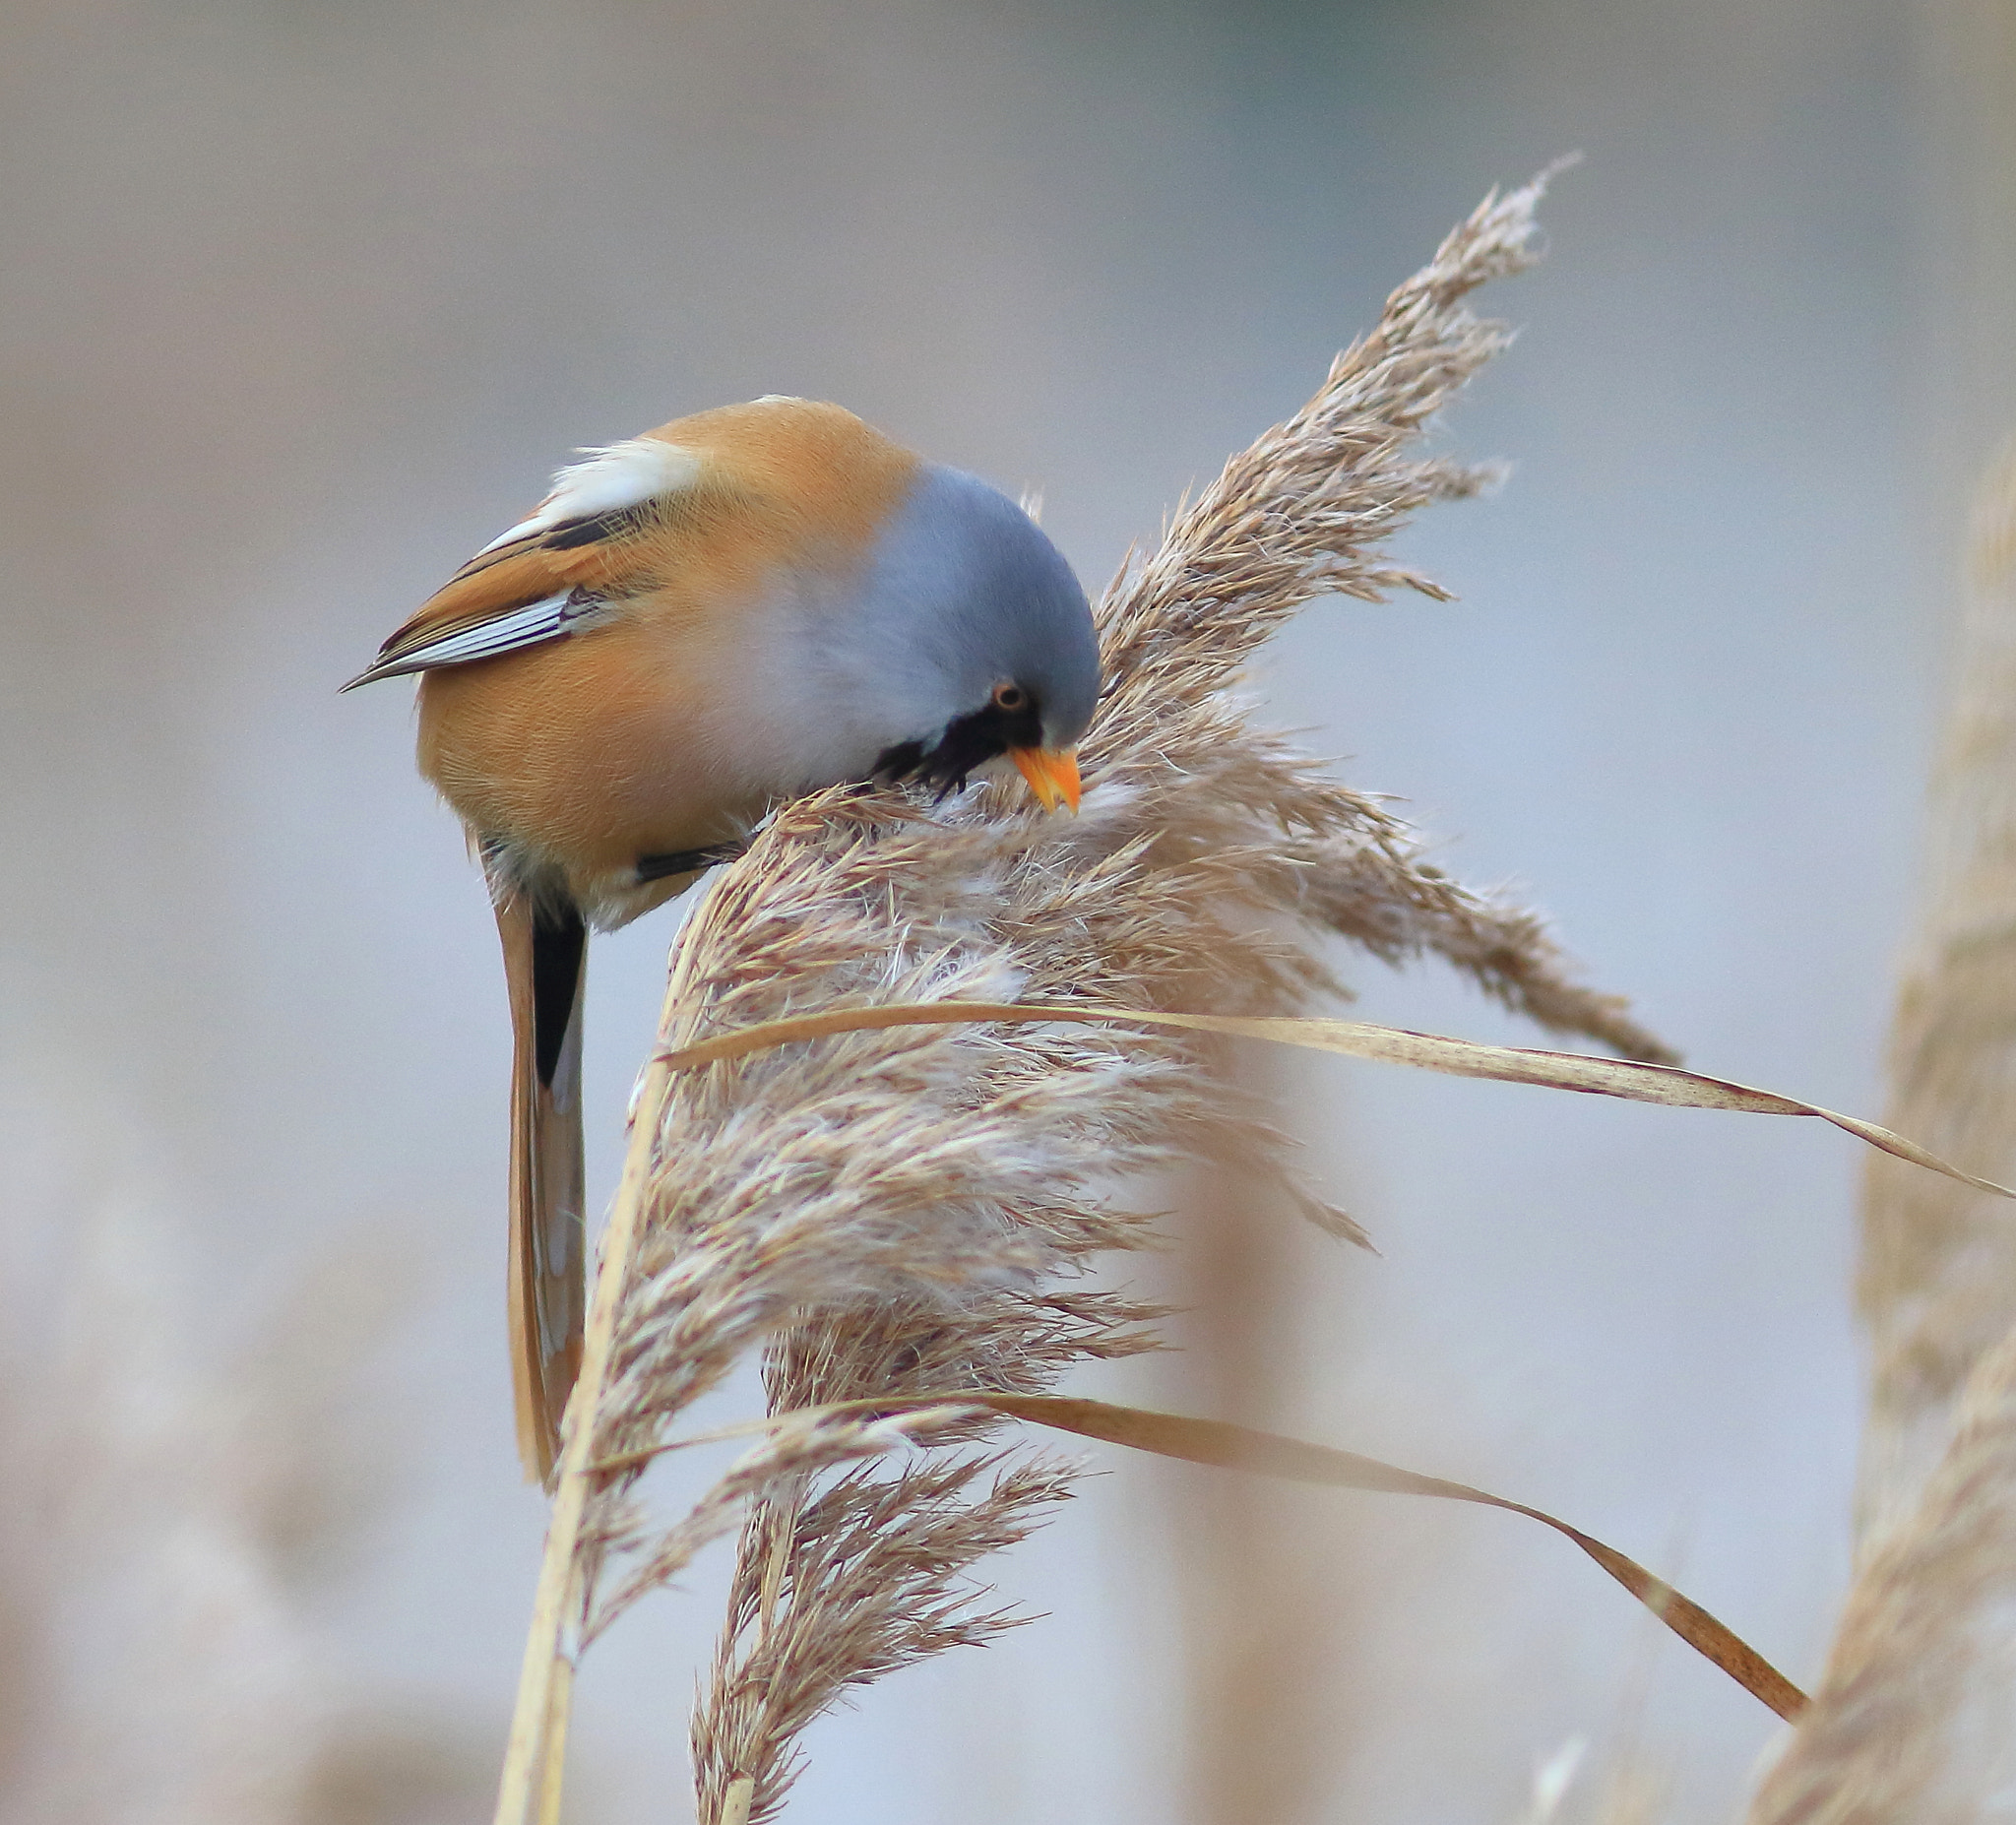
(1667,1085)
(795,1446)
(1225,1446)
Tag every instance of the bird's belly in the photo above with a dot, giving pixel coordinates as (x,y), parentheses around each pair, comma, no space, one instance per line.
(586,753)
(674,727)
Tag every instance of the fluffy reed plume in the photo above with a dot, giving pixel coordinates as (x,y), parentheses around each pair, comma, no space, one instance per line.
(1913,1719)
(1938,1270)
(911,1209)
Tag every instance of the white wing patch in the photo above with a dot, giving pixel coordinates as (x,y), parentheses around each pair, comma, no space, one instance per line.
(625,474)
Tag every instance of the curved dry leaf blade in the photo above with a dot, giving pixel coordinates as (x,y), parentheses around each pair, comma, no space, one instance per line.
(1623,1078)
(1225,1446)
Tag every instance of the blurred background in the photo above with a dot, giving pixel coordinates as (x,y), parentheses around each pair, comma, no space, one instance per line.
(300,305)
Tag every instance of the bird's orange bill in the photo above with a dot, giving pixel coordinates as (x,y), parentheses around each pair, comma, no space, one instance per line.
(546,1275)
(1051,772)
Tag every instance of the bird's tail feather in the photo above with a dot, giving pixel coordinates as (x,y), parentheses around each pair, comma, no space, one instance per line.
(546,952)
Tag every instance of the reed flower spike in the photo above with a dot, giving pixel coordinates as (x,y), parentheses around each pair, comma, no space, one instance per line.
(910,1210)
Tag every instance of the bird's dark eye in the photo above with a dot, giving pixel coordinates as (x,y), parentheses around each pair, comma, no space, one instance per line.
(1010,697)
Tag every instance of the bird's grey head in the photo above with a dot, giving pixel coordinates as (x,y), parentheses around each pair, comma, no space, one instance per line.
(983,637)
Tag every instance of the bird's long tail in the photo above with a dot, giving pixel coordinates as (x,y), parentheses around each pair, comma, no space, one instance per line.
(546,952)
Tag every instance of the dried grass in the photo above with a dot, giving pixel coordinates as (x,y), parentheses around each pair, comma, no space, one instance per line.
(173,1519)
(911,1049)
(155,1666)
(910,1210)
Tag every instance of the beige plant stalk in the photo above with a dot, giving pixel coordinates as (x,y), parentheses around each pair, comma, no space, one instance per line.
(1915,1720)
(911,1210)
(1938,1271)
(1266,1618)
(1915,1717)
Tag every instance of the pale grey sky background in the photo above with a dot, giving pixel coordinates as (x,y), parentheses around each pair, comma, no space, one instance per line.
(300,305)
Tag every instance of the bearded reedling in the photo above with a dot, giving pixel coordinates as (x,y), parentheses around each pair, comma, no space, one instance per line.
(693,625)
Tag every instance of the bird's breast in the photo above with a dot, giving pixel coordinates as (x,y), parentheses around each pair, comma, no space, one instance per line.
(671,725)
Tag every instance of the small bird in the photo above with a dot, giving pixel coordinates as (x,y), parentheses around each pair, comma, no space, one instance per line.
(693,625)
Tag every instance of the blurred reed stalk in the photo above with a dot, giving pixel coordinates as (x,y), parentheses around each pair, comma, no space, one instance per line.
(1266,1602)
(912,1210)
(1937,1284)
(1913,1722)
(1916,1715)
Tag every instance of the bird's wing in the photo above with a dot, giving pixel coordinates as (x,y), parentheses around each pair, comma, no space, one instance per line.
(544,966)
(553,571)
